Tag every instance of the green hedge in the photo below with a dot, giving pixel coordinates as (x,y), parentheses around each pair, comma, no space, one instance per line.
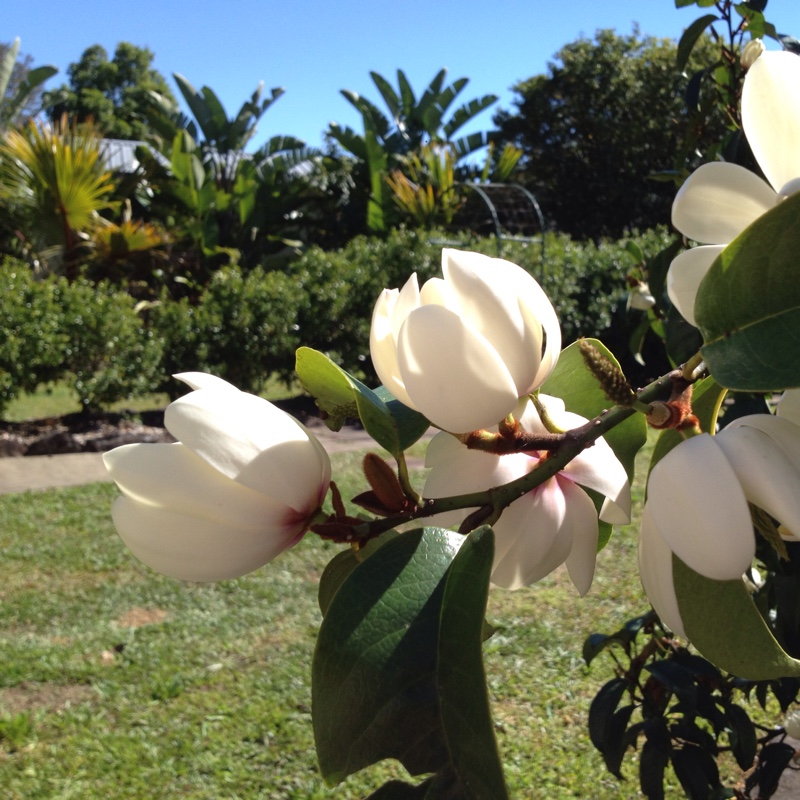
(88,335)
(246,326)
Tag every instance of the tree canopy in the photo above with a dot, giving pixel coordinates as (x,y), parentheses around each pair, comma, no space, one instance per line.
(114,92)
(609,113)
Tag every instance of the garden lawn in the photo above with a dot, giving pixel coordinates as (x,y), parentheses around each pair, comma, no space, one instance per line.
(118,683)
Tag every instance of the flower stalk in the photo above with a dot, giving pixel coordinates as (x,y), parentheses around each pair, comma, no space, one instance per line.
(562,448)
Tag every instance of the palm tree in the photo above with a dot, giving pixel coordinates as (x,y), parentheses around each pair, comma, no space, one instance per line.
(410,124)
(15,94)
(54,183)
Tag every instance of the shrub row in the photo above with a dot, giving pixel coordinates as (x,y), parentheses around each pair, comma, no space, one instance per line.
(246,326)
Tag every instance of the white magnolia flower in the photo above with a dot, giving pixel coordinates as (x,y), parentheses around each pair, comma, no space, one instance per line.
(697,503)
(640,297)
(462,349)
(239,487)
(719,200)
(554,523)
(792,724)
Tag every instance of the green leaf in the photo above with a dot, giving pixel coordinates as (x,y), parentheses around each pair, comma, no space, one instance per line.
(652,763)
(392,425)
(723,623)
(748,305)
(743,738)
(690,37)
(342,564)
(578,388)
(397,671)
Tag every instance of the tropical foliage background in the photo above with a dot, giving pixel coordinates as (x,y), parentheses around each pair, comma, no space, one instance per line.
(137,241)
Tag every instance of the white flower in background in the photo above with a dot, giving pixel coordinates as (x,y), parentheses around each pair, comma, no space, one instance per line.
(752,50)
(554,523)
(792,724)
(697,503)
(640,297)
(239,487)
(719,200)
(464,348)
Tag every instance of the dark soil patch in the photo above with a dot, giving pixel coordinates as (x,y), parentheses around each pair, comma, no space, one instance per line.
(94,433)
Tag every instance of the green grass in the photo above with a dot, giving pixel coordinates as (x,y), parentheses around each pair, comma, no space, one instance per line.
(58,399)
(118,683)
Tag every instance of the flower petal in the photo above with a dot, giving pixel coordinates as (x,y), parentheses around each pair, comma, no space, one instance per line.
(769,478)
(599,469)
(531,538)
(253,442)
(718,201)
(582,518)
(655,570)
(455,376)
(489,292)
(172,476)
(383,346)
(685,274)
(700,508)
(203,380)
(194,549)
(771,115)
(783,432)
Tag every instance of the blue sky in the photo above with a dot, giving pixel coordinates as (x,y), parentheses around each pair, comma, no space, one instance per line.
(314,48)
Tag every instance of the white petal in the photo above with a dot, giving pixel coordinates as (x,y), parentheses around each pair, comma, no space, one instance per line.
(770,480)
(489,292)
(535,305)
(771,115)
(456,378)
(383,346)
(172,476)
(202,380)
(599,469)
(456,470)
(700,509)
(255,443)
(582,518)
(784,433)
(718,201)
(531,538)
(195,549)
(655,569)
(788,406)
(685,274)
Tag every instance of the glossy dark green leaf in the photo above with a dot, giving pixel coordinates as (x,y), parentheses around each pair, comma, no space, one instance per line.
(697,772)
(392,425)
(724,625)
(748,305)
(773,760)
(342,564)
(743,738)
(690,36)
(652,763)
(398,671)
(602,709)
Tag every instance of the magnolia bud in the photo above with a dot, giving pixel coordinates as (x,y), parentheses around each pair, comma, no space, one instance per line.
(752,50)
